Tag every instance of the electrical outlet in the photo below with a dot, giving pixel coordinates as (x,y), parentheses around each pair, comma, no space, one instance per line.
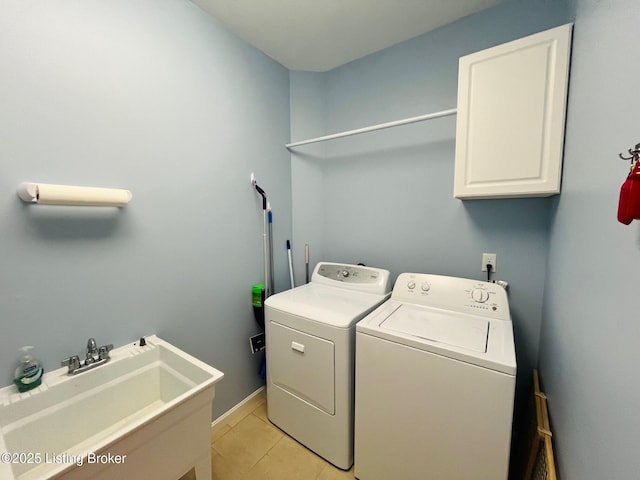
(489,259)
(257,343)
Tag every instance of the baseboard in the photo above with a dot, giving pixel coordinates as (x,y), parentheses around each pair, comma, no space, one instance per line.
(240,410)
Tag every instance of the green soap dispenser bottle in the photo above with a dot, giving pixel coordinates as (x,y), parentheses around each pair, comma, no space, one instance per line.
(28,375)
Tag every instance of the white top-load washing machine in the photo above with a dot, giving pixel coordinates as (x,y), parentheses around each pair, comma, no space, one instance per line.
(310,337)
(435,382)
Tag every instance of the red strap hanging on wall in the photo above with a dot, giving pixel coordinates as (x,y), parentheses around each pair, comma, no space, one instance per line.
(623,203)
(629,202)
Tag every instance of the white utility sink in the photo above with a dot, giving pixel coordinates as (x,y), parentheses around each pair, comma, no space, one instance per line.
(144,414)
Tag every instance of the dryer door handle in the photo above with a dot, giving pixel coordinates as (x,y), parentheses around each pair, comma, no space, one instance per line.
(298,347)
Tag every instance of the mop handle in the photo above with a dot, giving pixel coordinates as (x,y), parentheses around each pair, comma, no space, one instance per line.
(265,253)
(271,264)
(306,260)
(290,263)
(265,249)
(264,196)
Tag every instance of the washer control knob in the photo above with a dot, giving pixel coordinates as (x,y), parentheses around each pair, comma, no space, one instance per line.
(345,273)
(425,287)
(479,295)
(411,284)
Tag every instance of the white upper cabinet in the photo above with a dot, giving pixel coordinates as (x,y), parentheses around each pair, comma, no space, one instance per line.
(511,115)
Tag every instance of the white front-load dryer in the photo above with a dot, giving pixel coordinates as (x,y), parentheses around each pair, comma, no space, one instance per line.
(310,337)
(435,382)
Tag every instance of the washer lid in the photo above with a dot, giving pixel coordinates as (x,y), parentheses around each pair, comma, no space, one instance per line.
(462,331)
(439,331)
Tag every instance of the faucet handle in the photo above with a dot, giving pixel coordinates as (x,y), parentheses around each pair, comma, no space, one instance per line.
(72,362)
(103,351)
(91,347)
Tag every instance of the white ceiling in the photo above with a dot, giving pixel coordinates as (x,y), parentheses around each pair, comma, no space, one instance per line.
(320,35)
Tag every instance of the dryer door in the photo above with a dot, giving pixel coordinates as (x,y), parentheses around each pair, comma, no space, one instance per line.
(303,365)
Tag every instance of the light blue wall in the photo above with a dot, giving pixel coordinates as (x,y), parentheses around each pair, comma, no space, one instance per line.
(589,341)
(154,96)
(308,117)
(157,97)
(387,197)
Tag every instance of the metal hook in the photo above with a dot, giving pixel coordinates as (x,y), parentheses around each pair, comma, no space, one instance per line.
(635,154)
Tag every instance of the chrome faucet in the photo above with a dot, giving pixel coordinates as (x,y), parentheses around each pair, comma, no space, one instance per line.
(94,358)
(92,349)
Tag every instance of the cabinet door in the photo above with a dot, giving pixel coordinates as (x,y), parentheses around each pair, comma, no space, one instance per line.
(511,113)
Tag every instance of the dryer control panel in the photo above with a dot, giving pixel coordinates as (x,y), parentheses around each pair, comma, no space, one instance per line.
(452,293)
(355,277)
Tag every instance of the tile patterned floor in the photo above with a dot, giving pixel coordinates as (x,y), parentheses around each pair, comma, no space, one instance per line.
(249,447)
